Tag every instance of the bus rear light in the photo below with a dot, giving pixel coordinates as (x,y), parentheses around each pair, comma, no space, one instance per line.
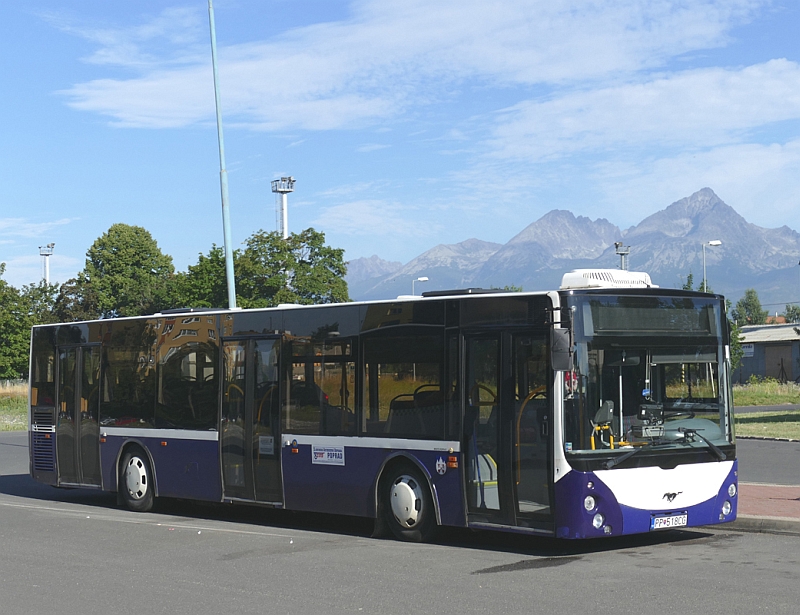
(164,443)
(452,461)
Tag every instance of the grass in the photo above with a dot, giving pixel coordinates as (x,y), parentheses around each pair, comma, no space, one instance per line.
(767,393)
(13,406)
(785,424)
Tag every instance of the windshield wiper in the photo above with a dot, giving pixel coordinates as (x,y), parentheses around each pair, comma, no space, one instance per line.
(691,433)
(618,460)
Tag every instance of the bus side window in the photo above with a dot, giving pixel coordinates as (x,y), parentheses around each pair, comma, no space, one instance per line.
(403,385)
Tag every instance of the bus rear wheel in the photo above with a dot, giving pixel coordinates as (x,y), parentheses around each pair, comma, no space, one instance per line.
(407,506)
(135,480)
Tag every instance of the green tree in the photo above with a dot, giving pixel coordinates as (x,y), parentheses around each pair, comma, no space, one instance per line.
(38,300)
(735,331)
(748,310)
(205,284)
(76,300)
(689,282)
(127,272)
(269,271)
(792,313)
(15,331)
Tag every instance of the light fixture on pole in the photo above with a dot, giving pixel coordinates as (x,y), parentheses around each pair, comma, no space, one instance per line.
(46,252)
(622,251)
(422,279)
(712,243)
(282,187)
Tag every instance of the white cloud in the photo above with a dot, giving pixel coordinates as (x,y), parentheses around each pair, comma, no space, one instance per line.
(27,269)
(372,218)
(389,56)
(760,182)
(692,109)
(371,147)
(22,227)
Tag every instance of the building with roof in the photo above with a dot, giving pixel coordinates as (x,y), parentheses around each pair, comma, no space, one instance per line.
(771,351)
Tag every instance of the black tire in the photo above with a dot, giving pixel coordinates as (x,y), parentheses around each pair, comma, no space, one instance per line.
(407,504)
(136,480)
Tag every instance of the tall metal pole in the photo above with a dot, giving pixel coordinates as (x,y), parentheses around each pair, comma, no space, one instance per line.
(223,173)
(704,268)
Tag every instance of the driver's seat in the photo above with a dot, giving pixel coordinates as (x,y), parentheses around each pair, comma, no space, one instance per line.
(603,423)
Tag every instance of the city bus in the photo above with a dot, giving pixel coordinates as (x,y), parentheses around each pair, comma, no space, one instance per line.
(600,409)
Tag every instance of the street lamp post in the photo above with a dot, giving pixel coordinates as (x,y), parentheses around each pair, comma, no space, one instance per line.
(713,243)
(422,279)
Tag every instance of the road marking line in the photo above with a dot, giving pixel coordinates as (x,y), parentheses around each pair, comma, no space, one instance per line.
(104,517)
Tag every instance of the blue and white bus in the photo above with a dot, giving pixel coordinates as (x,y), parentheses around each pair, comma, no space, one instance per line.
(600,409)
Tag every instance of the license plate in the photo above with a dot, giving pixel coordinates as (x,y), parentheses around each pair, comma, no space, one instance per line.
(667,521)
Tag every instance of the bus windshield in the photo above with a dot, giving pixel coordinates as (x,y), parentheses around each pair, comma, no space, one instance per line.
(649,372)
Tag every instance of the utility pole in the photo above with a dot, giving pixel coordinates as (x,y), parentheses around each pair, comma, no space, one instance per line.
(223,173)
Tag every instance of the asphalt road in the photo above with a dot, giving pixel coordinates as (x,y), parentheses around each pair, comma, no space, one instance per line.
(74,552)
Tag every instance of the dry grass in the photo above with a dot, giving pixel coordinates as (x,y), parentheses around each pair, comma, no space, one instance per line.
(767,393)
(13,406)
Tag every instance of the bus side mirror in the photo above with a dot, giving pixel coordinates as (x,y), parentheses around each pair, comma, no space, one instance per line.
(560,350)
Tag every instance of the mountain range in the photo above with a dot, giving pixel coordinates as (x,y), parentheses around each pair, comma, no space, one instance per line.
(668,245)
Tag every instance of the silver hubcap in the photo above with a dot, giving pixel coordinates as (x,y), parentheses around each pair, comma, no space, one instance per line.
(136,478)
(406,497)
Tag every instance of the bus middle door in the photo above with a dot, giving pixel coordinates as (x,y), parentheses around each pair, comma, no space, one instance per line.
(507,433)
(249,428)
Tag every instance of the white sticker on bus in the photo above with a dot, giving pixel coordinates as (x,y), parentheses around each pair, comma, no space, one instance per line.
(327,455)
(266,445)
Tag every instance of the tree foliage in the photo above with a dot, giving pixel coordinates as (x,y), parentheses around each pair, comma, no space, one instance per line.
(748,310)
(792,313)
(127,273)
(19,311)
(270,270)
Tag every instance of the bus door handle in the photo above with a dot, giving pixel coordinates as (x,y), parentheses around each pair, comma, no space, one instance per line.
(545,427)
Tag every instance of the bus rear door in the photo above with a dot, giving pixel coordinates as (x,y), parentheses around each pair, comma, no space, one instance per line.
(77,426)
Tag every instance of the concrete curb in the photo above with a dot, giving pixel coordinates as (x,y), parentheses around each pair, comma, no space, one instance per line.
(767,438)
(786,526)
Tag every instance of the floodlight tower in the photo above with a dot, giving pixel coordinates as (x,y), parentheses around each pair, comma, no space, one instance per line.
(283,186)
(623,252)
(46,252)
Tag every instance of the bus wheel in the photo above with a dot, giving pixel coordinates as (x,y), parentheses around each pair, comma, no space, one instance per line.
(135,480)
(408,506)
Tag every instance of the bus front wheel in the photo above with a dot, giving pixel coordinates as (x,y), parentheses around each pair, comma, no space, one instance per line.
(407,506)
(135,480)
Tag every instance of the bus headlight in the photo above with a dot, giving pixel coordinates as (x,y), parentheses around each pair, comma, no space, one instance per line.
(589,503)
(726,508)
(598,520)
(732,490)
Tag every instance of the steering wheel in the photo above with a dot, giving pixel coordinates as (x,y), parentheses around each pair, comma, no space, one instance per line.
(476,388)
(673,414)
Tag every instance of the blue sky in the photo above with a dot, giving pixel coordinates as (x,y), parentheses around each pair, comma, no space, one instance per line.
(406,123)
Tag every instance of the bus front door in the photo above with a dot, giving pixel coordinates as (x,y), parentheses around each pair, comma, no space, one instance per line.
(507,435)
(249,428)
(77,426)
